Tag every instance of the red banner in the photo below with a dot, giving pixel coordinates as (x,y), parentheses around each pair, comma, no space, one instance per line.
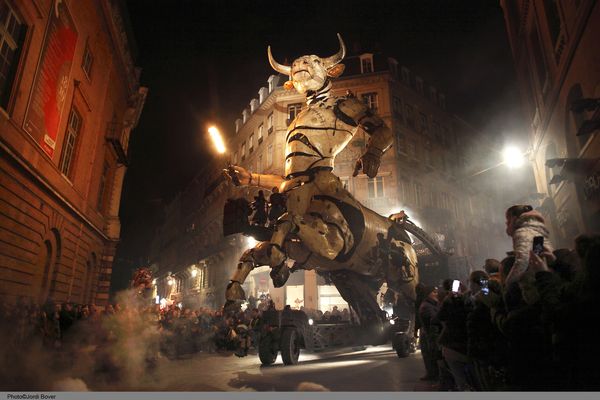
(51,83)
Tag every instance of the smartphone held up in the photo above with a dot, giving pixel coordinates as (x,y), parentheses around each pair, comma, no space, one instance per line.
(538,245)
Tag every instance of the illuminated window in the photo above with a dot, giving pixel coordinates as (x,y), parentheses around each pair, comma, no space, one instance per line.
(375,187)
(293,110)
(12,35)
(88,60)
(270,155)
(70,143)
(270,123)
(243,150)
(251,143)
(370,99)
(260,133)
(366,63)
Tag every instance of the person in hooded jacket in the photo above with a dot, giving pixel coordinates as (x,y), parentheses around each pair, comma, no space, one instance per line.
(523,223)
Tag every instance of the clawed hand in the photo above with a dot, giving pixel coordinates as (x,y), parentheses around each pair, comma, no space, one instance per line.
(238,175)
(369,163)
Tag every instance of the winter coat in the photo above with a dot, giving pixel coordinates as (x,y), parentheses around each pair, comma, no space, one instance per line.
(485,342)
(530,354)
(427,312)
(525,228)
(453,314)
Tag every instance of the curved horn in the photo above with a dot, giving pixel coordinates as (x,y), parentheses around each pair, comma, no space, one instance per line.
(338,57)
(282,69)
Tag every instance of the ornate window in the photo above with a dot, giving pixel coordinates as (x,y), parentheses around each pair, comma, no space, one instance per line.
(270,123)
(88,61)
(370,100)
(70,144)
(293,110)
(375,186)
(366,63)
(270,155)
(12,35)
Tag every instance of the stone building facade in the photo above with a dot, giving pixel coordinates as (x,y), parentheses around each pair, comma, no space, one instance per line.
(70,98)
(423,173)
(555,48)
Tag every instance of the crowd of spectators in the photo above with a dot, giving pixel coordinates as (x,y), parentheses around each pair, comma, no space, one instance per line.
(520,324)
(65,331)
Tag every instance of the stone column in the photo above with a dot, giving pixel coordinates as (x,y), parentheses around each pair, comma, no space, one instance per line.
(311,292)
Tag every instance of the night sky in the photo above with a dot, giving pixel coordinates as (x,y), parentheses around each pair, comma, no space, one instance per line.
(203,61)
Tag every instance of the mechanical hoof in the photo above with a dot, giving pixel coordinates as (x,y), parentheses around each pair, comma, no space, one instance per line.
(234,292)
(280,275)
(277,256)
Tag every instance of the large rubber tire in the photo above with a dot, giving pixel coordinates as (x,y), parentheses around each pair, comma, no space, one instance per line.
(290,346)
(266,354)
(403,348)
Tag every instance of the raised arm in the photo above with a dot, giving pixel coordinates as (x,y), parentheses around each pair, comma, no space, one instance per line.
(354,112)
(247,178)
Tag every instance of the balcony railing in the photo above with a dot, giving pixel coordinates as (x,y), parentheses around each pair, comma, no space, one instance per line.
(115,138)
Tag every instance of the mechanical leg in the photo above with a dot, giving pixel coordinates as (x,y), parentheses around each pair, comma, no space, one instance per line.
(248,261)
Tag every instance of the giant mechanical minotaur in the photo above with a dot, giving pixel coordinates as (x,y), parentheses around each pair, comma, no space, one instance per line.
(325,228)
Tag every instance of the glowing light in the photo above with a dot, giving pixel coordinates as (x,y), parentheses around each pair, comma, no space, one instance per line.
(180,305)
(170,281)
(194,272)
(392,321)
(310,321)
(154,281)
(513,157)
(251,241)
(163,303)
(217,139)
(157,299)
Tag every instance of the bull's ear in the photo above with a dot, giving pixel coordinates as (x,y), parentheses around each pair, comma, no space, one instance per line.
(336,70)
(289,85)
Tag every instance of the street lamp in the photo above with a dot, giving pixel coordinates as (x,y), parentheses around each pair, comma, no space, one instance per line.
(217,139)
(513,157)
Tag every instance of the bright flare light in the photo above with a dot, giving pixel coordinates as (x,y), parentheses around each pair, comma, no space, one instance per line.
(513,157)
(217,139)
(194,272)
(310,321)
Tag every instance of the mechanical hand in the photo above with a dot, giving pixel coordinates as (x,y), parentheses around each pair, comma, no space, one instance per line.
(238,175)
(369,163)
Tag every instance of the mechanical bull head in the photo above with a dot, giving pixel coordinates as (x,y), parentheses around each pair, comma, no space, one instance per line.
(310,73)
